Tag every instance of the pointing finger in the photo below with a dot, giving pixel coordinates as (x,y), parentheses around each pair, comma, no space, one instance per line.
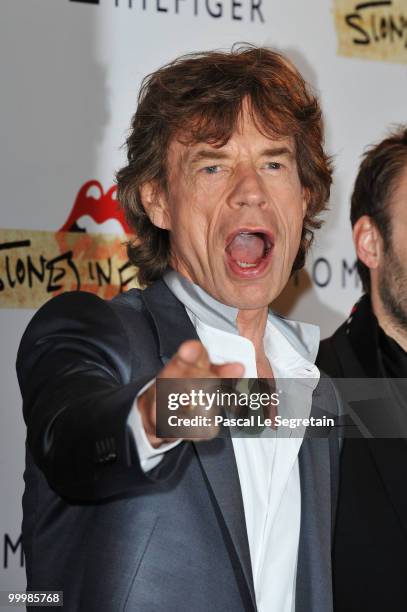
(193,353)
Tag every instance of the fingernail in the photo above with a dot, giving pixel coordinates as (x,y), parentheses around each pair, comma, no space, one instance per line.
(189,353)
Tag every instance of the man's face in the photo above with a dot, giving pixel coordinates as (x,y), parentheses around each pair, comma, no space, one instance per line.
(235,215)
(392,277)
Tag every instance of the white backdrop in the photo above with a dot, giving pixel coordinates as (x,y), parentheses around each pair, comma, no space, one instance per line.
(70,74)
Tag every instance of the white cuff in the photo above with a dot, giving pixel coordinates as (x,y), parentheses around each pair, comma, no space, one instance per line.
(149,456)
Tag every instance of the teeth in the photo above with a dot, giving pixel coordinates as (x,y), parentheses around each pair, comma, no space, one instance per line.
(244,264)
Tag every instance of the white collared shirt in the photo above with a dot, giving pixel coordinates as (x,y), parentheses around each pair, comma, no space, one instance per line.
(267,466)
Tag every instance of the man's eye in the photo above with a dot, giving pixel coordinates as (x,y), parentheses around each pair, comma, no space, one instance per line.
(273,165)
(211,169)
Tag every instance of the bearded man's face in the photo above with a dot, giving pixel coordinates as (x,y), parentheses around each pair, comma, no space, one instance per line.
(392,281)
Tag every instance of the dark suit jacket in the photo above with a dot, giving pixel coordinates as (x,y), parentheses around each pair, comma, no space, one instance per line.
(370,551)
(100,529)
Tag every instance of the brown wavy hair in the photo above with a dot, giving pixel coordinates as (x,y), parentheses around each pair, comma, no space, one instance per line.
(198,98)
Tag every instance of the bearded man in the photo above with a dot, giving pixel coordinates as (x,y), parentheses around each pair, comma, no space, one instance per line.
(370,564)
(226,175)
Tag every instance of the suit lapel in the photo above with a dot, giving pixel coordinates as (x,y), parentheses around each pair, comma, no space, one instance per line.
(171,321)
(216,457)
(314,582)
(218,462)
(319,467)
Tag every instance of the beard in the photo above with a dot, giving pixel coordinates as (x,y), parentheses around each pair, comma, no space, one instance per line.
(393,288)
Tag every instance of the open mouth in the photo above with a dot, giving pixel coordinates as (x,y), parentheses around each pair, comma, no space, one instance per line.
(249,250)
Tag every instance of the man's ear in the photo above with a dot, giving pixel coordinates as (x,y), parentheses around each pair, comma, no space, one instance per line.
(155,204)
(306,197)
(368,242)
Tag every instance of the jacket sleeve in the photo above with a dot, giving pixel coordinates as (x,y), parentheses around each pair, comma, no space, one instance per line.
(74,367)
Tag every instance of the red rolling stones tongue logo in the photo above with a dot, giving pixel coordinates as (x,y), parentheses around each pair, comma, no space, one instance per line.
(87,253)
(100,214)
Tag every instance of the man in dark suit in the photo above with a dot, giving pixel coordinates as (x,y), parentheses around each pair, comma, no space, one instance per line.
(225,178)
(370,560)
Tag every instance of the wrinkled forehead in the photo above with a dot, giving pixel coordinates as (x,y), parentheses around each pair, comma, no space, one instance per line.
(246,136)
(216,126)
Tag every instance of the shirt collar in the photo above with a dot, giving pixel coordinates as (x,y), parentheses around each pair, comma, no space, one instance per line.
(201,304)
(303,338)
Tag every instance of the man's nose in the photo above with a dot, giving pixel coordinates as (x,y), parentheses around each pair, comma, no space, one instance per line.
(248,189)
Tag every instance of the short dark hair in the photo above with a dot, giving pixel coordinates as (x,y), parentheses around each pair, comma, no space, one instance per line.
(198,98)
(374,186)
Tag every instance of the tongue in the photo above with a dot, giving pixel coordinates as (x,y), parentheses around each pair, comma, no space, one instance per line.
(247,248)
